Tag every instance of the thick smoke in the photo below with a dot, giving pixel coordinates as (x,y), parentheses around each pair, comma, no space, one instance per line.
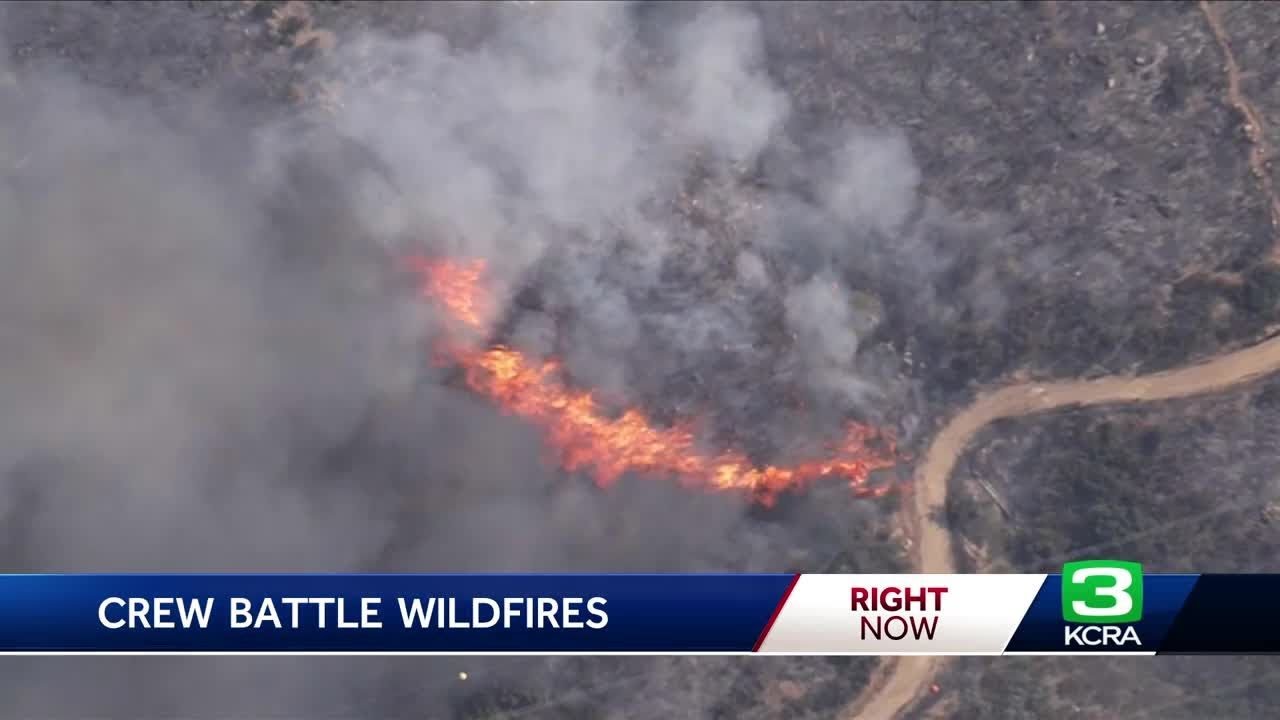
(206,365)
(564,149)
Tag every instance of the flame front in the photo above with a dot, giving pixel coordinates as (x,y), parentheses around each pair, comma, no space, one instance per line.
(585,437)
(455,286)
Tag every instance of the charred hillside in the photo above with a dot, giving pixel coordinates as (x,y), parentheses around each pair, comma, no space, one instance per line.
(1187,486)
(775,219)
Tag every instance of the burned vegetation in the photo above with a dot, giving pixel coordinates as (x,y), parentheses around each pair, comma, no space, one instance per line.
(779,220)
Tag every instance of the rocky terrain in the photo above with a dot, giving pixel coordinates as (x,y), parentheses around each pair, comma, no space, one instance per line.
(1185,485)
(997,192)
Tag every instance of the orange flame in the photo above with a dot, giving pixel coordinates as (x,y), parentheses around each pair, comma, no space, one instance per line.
(456,286)
(586,437)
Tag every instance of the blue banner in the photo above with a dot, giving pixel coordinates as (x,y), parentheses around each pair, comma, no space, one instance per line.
(1094,606)
(1161,614)
(1227,614)
(387,613)
(1048,626)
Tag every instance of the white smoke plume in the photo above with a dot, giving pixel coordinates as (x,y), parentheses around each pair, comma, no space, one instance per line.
(205,365)
(565,143)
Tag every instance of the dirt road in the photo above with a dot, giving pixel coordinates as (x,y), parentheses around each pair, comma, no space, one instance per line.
(904,679)
(907,677)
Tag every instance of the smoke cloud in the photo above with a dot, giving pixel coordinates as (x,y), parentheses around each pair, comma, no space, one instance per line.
(205,363)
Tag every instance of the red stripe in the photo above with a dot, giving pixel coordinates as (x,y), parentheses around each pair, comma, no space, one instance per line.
(776,612)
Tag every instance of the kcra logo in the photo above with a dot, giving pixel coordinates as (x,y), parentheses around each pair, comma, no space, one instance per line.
(1100,601)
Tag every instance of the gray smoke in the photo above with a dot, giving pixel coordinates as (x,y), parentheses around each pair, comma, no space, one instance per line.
(823,320)
(565,145)
(205,364)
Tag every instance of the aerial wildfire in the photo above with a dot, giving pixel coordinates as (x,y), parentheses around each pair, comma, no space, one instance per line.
(587,437)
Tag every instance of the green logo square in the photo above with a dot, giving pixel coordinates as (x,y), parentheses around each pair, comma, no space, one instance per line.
(1102,592)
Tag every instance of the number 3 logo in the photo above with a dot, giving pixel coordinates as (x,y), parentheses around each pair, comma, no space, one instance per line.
(1120,601)
(1102,591)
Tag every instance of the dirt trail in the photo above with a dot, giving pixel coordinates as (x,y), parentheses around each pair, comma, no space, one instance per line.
(1260,152)
(909,676)
(904,679)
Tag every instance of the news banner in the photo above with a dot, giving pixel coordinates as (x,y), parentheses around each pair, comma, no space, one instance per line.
(1096,606)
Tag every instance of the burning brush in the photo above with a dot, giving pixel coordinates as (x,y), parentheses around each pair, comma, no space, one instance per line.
(586,437)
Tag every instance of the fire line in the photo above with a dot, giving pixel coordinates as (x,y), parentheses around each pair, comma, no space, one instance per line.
(587,438)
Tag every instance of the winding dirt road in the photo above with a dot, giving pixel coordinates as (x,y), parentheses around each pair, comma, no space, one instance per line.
(904,679)
(907,677)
